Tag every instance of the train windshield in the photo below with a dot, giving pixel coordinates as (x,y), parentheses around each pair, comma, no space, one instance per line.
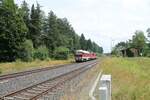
(78,55)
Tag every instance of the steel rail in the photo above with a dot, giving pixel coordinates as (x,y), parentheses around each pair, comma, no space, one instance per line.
(81,70)
(43,93)
(23,73)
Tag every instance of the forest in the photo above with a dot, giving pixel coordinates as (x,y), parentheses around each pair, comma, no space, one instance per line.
(28,34)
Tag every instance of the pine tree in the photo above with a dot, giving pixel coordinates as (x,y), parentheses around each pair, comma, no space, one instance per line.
(26,15)
(67,32)
(76,42)
(63,31)
(89,45)
(53,37)
(83,42)
(36,26)
(13,31)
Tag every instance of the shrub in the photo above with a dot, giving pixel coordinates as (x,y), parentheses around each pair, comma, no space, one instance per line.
(25,54)
(61,53)
(41,53)
(71,55)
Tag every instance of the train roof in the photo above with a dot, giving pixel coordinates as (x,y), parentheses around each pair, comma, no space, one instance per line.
(82,51)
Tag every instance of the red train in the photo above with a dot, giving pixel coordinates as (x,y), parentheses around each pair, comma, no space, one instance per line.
(82,55)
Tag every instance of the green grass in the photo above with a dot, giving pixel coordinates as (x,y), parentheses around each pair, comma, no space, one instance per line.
(130,77)
(6,68)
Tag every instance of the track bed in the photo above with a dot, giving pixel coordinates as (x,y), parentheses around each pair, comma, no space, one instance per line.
(41,82)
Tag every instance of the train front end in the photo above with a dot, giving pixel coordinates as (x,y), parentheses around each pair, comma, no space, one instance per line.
(82,55)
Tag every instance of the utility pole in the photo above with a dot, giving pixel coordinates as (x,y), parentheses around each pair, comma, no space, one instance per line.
(112,43)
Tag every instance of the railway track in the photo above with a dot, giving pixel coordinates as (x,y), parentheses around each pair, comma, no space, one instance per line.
(36,91)
(18,74)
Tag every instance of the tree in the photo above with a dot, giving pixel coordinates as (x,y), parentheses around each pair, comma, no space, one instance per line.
(121,45)
(26,15)
(148,31)
(64,32)
(35,27)
(13,31)
(96,48)
(76,42)
(139,41)
(101,50)
(53,36)
(83,42)
(118,47)
(89,45)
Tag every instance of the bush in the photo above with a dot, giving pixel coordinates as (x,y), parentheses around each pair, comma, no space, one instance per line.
(41,53)
(25,54)
(61,53)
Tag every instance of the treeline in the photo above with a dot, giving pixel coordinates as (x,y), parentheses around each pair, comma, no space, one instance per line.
(27,34)
(139,42)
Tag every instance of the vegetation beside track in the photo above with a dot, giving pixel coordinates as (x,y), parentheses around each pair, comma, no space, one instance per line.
(130,77)
(11,67)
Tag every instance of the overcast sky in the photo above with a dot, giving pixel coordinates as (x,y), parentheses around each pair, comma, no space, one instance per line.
(104,21)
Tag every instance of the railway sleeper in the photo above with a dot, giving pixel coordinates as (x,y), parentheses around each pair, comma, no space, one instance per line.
(43,87)
(27,94)
(47,86)
(38,89)
(33,91)
(50,84)
(20,98)
(8,98)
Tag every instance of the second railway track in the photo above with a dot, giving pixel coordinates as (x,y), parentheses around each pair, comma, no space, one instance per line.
(13,75)
(38,90)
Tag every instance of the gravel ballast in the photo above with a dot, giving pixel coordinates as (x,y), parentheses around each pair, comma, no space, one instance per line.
(17,83)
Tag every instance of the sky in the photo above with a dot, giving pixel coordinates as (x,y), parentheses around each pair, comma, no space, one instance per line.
(106,22)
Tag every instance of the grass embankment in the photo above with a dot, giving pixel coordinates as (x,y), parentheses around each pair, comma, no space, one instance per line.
(18,66)
(130,77)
